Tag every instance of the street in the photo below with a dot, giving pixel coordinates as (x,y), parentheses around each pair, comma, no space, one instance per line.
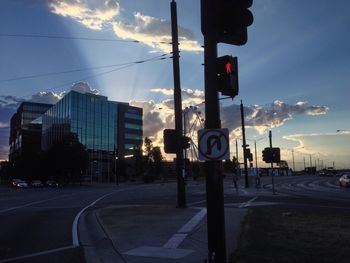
(41,225)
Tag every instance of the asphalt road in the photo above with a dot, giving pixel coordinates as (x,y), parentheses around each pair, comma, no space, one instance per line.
(38,225)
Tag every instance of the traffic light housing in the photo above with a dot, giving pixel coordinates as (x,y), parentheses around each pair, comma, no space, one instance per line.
(271,155)
(276,155)
(226,20)
(186,142)
(248,154)
(170,142)
(227,75)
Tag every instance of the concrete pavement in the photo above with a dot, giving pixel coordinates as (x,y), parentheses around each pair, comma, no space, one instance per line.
(151,233)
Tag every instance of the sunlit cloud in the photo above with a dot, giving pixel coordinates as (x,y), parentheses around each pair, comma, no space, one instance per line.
(92,14)
(155,33)
(4,125)
(100,14)
(323,146)
(260,118)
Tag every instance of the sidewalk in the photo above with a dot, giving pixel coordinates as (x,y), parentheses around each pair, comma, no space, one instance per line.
(151,233)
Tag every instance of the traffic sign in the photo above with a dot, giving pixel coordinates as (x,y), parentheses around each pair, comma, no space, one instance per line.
(213,144)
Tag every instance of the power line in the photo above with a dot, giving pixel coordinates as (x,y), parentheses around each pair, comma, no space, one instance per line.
(72,71)
(157,58)
(77,38)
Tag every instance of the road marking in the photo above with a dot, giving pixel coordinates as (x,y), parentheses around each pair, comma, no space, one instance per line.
(35,254)
(244,192)
(190,225)
(182,233)
(248,203)
(196,203)
(75,237)
(29,204)
(175,241)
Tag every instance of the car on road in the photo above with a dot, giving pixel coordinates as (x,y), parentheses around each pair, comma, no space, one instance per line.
(19,183)
(344,180)
(51,183)
(36,183)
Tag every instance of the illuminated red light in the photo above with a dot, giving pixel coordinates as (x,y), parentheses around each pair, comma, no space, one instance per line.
(228,68)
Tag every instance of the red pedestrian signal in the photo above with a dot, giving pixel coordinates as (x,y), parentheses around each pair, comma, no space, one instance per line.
(227,75)
(228,68)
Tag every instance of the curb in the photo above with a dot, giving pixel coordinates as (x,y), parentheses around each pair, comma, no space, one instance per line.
(97,245)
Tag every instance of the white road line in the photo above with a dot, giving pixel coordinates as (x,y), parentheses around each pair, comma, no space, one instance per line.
(75,237)
(175,241)
(196,203)
(246,204)
(29,204)
(332,185)
(190,225)
(244,192)
(182,233)
(35,254)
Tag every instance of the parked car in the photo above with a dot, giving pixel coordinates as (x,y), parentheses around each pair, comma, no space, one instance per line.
(36,183)
(52,183)
(344,180)
(19,183)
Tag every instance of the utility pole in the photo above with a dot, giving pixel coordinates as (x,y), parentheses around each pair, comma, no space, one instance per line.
(256,158)
(221,22)
(310,162)
(293,160)
(214,179)
(304,164)
(244,149)
(181,192)
(273,174)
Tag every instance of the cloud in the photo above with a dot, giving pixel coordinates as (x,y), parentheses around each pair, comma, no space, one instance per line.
(84,87)
(52,98)
(260,118)
(92,14)
(189,97)
(328,147)
(100,14)
(155,33)
(10,102)
(153,123)
(46,97)
(270,116)
(4,151)
(4,125)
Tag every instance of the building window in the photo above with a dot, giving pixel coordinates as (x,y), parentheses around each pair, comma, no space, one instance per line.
(133,136)
(133,116)
(133,126)
(130,146)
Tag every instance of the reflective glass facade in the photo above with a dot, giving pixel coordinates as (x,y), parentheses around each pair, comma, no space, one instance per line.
(107,129)
(93,118)
(25,132)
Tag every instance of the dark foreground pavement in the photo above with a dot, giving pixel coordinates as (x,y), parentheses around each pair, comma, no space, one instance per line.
(151,233)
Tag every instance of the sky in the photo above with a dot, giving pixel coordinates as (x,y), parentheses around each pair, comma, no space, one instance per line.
(294,71)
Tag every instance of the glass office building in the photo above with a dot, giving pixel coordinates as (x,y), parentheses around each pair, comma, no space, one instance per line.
(25,131)
(101,126)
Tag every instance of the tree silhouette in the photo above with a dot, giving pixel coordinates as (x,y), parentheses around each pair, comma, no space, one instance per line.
(68,159)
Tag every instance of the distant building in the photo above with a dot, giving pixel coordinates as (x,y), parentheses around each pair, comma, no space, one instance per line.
(25,138)
(25,131)
(107,129)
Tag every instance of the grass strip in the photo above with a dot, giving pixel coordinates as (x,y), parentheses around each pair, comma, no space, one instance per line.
(286,235)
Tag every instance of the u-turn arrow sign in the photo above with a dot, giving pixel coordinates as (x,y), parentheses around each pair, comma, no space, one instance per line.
(213,144)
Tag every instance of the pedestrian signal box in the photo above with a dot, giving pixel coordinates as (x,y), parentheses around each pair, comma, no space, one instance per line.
(227,75)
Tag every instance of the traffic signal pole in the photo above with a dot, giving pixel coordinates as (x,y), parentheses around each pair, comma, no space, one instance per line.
(181,192)
(244,149)
(273,174)
(214,179)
